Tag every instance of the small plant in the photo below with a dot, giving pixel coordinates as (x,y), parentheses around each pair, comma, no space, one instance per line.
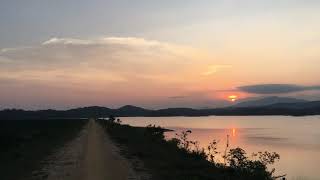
(156,133)
(118,121)
(268,158)
(184,143)
(112,118)
(212,151)
(235,159)
(180,158)
(111,122)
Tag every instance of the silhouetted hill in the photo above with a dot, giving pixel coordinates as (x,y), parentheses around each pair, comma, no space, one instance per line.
(294,109)
(176,112)
(265,101)
(130,110)
(305,105)
(92,111)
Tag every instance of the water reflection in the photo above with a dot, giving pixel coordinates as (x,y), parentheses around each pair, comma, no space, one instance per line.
(296,139)
(233,132)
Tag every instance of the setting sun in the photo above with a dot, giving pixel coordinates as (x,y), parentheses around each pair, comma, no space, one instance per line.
(233,98)
(203,90)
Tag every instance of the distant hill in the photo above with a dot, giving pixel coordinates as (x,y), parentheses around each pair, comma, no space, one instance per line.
(130,110)
(303,105)
(266,101)
(293,109)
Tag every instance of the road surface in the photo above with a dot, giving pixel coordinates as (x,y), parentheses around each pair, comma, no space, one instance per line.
(91,156)
(101,162)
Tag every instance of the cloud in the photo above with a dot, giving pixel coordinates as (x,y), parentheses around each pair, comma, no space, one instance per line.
(212,69)
(177,97)
(276,88)
(121,69)
(121,57)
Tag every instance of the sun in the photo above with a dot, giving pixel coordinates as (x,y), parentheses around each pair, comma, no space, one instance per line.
(233,98)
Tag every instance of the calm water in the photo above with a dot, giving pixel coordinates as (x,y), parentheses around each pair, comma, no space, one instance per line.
(296,139)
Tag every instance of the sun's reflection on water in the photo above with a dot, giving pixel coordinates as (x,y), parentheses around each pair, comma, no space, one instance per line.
(296,137)
(233,132)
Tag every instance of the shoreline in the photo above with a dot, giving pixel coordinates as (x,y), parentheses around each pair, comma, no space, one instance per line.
(166,160)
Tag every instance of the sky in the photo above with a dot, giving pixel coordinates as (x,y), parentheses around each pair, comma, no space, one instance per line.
(170,53)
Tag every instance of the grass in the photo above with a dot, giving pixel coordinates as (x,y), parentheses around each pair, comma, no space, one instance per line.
(25,143)
(168,160)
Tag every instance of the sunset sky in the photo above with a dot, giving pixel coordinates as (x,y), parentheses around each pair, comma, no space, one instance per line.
(170,53)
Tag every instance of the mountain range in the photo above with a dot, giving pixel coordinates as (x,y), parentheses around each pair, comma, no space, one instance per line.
(264,106)
(266,101)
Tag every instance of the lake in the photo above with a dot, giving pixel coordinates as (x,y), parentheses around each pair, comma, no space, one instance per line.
(296,139)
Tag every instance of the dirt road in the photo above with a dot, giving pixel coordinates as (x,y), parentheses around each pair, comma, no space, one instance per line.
(91,156)
(101,160)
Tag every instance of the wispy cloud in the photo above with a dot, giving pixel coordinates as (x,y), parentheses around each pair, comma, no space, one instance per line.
(212,69)
(118,68)
(177,97)
(120,56)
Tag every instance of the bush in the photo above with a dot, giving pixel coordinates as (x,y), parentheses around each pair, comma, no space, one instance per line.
(181,159)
